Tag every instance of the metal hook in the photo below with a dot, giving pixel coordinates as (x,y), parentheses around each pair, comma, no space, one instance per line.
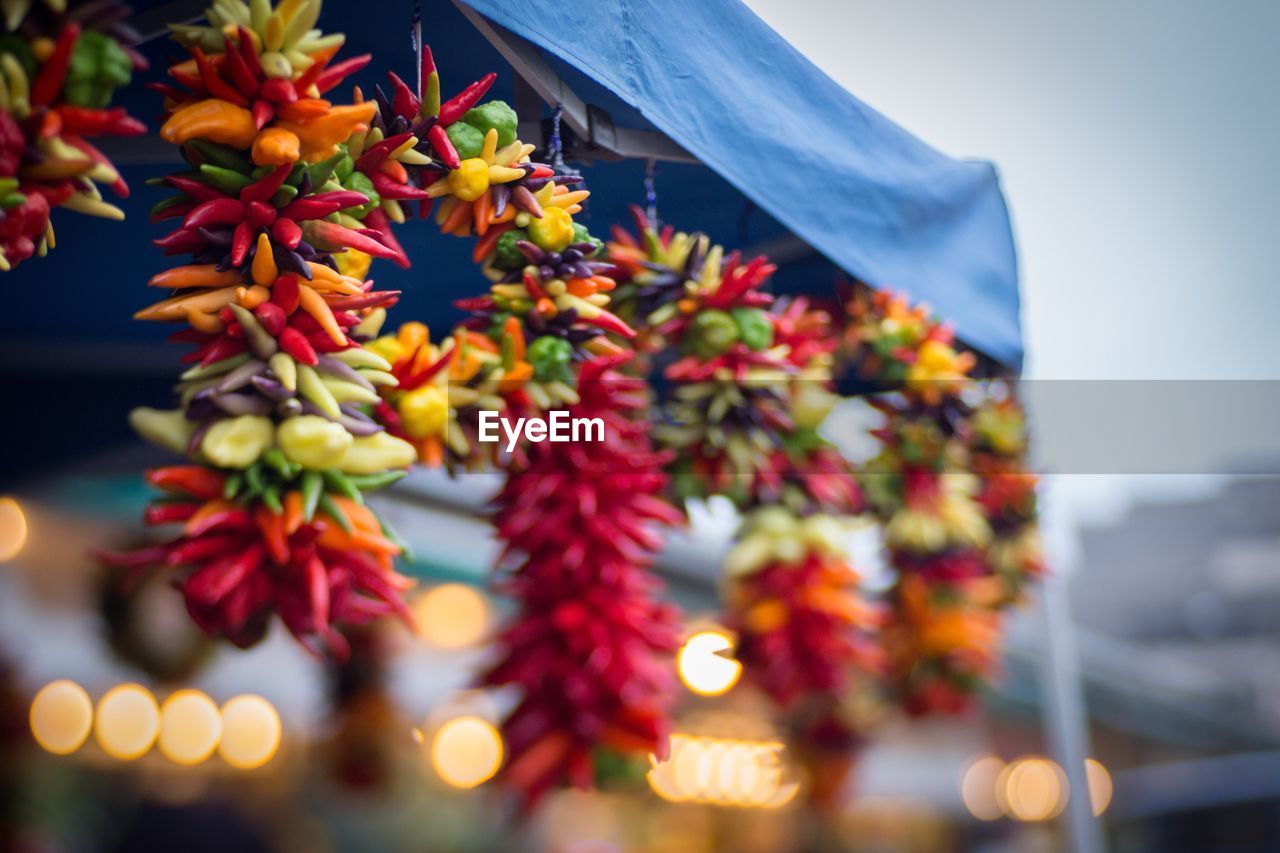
(651,190)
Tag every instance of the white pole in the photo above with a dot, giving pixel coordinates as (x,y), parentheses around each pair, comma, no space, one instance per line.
(1065,721)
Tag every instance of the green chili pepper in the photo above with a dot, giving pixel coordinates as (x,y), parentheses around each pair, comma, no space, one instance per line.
(754,328)
(582,235)
(335,512)
(271,497)
(494,114)
(338,482)
(277,460)
(232,486)
(345,166)
(711,334)
(18,47)
(360,182)
(98,67)
(321,172)
(396,539)
(166,203)
(505,254)
(466,139)
(550,357)
(227,180)
(222,156)
(284,195)
(372,482)
(312,489)
(253,477)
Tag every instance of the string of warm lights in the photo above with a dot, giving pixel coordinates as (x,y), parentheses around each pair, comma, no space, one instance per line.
(128,722)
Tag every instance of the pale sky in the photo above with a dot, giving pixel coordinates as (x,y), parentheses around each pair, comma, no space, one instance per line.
(1138,146)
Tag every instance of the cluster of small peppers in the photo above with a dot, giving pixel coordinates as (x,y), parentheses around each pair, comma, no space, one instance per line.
(590,646)
(545,315)
(944,621)
(1007,490)
(748,395)
(60,65)
(278,408)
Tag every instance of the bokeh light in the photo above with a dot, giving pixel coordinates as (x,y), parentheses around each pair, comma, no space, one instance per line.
(61,717)
(703,669)
(466,751)
(13,529)
(251,732)
(978,787)
(190,727)
(127,721)
(452,616)
(1099,785)
(723,772)
(1032,789)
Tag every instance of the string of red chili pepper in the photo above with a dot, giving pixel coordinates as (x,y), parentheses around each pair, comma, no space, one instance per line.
(589,646)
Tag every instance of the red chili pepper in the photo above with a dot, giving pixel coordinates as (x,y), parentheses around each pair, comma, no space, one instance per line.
(265,187)
(474,303)
(610,323)
(284,292)
(279,91)
(443,146)
(241,239)
(334,74)
(89,121)
(295,344)
(229,517)
(404,102)
(201,548)
(211,583)
(53,72)
(214,212)
(195,480)
(534,286)
(220,348)
(248,52)
(452,109)
(357,303)
(272,318)
(239,71)
(215,85)
(196,189)
(388,188)
(337,235)
(286,231)
(262,112)
(168,513)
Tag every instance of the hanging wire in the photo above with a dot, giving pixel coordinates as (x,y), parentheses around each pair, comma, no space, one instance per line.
(651,190)
(555,145)
(415,40)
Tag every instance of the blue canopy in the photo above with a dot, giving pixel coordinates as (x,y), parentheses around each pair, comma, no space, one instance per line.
(881,204)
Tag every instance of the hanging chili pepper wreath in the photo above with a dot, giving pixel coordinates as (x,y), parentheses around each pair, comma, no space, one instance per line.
(60,64)
(749,390)
(275,411)
(955,574)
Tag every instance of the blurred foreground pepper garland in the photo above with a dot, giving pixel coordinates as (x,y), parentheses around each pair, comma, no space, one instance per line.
(60,64)
(954,575)
(275,412)
(749,391)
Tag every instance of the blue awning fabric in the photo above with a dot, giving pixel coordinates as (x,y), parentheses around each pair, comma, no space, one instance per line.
(884,206)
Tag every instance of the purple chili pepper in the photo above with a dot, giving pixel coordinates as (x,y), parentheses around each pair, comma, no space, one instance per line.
(271,388)
(238,378)
(330,365)
(242,404)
